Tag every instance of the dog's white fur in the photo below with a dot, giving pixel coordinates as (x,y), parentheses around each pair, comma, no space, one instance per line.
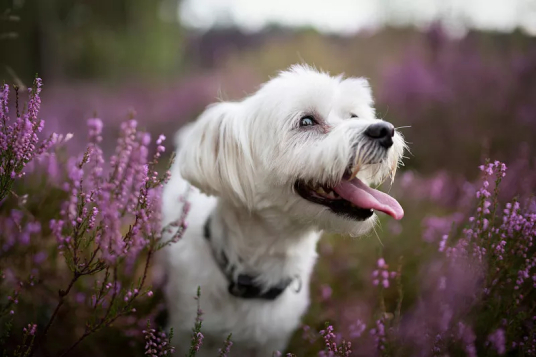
(243,159)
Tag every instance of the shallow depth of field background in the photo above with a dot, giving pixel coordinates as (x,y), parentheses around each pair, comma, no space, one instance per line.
(461,74)
(458,76)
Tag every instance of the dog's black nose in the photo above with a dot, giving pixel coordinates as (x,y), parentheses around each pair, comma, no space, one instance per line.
(382,132)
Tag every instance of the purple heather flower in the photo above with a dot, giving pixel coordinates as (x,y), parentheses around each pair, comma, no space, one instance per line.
(40,257)
(156,344)
(19,142)
(30,329)
(467,337)
(498,341)
(223,352)
(103,204)
(198,341)
(382,274)
(332,348)
(308,334)
(357,329)
(17,230)
(325,292)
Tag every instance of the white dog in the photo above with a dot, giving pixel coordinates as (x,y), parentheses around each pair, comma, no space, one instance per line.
(270,173)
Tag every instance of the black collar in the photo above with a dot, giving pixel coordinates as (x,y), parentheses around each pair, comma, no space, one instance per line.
(245,286)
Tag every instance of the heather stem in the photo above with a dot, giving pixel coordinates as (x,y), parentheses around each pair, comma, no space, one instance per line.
(62,294)
(400,292)
(105,321)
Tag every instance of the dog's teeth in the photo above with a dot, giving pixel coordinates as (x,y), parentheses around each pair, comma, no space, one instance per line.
(321,190)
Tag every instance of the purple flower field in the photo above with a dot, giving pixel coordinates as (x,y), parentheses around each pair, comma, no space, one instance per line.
(80,215)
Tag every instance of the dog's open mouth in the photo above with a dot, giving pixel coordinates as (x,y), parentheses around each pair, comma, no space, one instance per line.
(351,198)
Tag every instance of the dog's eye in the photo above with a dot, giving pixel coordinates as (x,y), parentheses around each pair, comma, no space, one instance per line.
(308,120)
(352,115)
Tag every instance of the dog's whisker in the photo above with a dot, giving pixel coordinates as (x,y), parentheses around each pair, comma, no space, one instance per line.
(392,171)
(377,236)
(368,152)
(358,163)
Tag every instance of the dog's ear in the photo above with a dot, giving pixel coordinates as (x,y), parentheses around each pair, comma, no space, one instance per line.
(214,154)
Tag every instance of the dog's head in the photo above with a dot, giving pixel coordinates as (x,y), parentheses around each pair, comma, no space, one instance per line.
(305,144)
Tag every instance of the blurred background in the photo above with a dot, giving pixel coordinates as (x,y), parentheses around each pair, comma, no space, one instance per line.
(462,74)
(459,77)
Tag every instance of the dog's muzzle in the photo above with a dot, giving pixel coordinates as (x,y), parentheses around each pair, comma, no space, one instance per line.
(349,196)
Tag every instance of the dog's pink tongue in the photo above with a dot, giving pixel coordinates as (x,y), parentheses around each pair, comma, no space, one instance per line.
(364,196)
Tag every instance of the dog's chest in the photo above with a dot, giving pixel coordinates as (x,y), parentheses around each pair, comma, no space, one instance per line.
(257,321)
